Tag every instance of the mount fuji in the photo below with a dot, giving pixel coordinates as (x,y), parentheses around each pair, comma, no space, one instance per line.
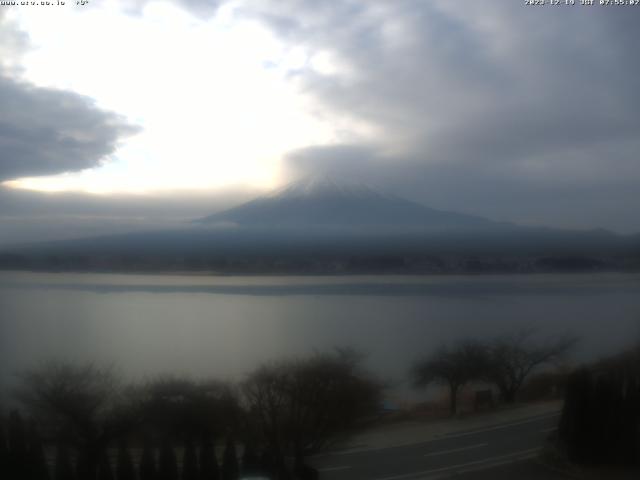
(326,202)
(320,225)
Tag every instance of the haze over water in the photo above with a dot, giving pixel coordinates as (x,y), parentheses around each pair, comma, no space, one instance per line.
(223,327)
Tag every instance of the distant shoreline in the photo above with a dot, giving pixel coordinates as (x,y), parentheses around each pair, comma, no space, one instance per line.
(351,275)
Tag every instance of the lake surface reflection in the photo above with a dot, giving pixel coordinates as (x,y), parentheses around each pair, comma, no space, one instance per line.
(211,326)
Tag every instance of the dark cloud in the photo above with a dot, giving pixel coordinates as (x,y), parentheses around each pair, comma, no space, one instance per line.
(46,131)
(480,101)
(489,107)
(347,160)
(488,190)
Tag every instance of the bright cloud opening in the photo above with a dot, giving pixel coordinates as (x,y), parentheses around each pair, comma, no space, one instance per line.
(213,97)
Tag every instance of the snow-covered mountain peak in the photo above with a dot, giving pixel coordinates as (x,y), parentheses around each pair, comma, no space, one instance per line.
(328,202)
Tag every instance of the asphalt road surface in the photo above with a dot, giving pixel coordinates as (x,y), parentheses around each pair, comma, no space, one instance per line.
(500,448)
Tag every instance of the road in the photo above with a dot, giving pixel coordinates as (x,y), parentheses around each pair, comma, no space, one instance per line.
(492,447)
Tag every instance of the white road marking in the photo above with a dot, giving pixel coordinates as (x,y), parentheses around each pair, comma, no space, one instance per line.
(333,469)
(549,430)
(489,462)
(446,436)
(498,427)
(454,450)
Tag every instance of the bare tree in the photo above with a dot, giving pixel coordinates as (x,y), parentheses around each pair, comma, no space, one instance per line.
(77,403)
(302,405)
(452,366)
(188,409)
(79,395)
(512,358)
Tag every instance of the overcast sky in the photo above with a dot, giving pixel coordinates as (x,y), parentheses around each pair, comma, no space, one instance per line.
(123,115)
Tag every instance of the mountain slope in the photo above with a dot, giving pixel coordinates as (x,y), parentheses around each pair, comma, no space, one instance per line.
(323,226)
(326,202)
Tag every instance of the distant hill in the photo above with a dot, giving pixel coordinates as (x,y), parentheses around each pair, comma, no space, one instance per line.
(325,202)
(318,225)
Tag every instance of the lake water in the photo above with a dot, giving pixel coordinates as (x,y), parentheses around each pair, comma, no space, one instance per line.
(217,326)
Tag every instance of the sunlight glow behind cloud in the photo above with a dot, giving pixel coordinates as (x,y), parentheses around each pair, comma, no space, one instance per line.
(215,98)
